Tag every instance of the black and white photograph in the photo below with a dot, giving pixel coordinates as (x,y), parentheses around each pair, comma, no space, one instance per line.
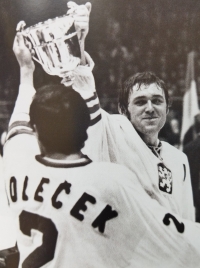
(100,134)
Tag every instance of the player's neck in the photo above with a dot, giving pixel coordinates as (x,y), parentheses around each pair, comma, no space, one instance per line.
(150,140)
(60,156)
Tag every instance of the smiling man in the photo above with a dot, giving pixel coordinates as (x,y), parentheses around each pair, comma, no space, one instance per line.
(69,211)
(162,170)
(131,139)
(144,100)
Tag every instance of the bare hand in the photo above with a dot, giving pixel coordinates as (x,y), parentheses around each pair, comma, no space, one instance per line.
(81,15)
(21,51)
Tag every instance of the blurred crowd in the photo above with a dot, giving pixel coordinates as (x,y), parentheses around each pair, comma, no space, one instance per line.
(148,38)
(153,37)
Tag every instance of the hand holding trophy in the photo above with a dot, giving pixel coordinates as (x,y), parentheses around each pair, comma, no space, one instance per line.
(81,14)
(54,43)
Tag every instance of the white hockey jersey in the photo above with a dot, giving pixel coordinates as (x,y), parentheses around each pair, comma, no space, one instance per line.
(112,138)
(85,214)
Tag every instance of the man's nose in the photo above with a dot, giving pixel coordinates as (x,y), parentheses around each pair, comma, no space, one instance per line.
(149,107)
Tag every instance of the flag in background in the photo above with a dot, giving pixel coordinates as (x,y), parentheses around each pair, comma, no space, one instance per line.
(190,103)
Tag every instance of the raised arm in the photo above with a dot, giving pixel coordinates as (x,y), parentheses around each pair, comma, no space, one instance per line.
(20,116)
(23,56)
(99,134)
(84,81)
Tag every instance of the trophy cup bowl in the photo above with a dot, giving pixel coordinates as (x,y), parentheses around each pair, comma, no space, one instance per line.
(56,46)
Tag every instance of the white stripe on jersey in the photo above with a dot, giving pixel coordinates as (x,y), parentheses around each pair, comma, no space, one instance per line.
(94,115)
(92,102)
(18,130)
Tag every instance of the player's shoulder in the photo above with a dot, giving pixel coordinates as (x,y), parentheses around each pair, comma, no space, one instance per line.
(21,145)
(115,168)
(119,125)
(115,172)
(121,119)
(114,181)
(173,151)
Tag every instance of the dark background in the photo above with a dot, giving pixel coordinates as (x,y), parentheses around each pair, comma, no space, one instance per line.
(126,36)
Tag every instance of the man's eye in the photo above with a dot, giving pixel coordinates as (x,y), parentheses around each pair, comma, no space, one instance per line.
(140,103)
(157,101)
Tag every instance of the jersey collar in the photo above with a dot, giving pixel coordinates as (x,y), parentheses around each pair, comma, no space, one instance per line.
(50,162)
(156,150)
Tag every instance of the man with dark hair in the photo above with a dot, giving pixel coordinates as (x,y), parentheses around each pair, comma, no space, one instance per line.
(140,79)
(162,170)
(144,100)
(68,130)
(72,212)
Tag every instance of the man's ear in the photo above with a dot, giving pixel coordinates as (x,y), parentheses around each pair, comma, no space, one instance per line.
(34,127)
(119,109)
(35,130)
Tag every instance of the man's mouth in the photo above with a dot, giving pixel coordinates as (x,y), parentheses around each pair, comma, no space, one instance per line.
(150,118)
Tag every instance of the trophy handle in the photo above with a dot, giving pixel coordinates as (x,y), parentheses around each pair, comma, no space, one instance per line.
(37,60)
(43,65)
(28,41)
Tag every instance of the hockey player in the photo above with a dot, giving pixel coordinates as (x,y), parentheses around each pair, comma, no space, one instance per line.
(70,211)
(131,139)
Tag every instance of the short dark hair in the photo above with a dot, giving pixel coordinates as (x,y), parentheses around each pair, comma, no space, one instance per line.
(145,78)
(61,117)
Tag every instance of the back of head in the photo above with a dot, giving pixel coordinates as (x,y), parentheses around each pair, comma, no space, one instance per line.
(145,78)
(61,118)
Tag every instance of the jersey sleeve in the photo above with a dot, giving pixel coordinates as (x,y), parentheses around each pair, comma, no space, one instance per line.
(84,84)
(21,142)
(104,132)
(19,122)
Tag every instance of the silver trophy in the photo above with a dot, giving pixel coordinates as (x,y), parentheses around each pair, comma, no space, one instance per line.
(56,46)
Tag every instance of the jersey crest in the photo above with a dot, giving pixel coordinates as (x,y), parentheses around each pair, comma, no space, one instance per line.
(165,178)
